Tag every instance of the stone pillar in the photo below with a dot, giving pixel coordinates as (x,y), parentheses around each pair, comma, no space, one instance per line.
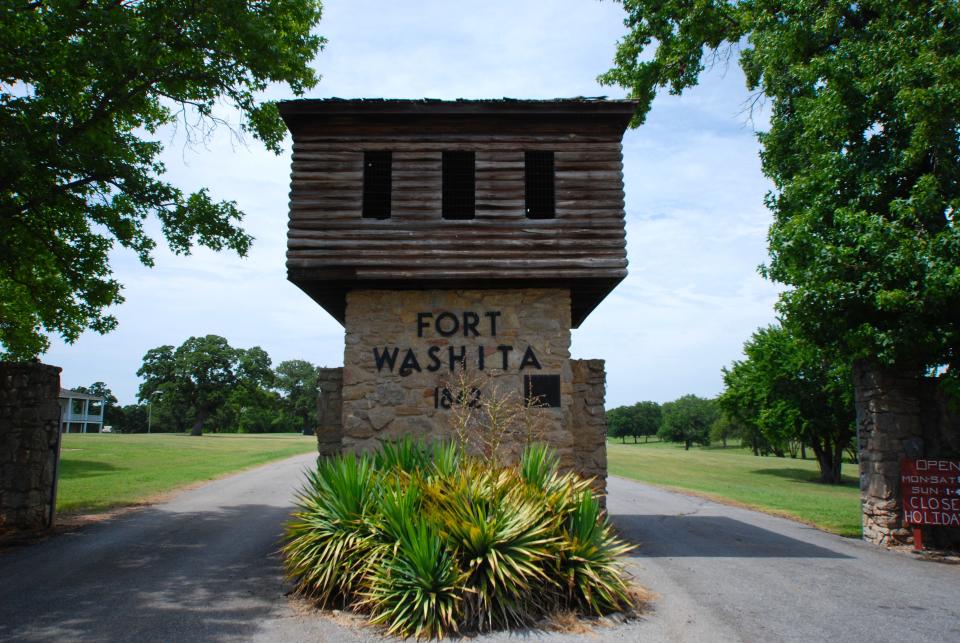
(889,429)
(329,430)
(590,420)
(29,440)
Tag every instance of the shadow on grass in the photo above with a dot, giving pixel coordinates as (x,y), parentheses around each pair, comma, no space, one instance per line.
(76,469)
(804,475)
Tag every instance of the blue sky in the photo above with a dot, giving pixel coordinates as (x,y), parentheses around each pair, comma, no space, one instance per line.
(696,223)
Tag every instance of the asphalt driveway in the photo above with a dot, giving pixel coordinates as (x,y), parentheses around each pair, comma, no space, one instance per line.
(204,566)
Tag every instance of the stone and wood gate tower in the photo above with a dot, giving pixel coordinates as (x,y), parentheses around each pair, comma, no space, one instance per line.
(458,234)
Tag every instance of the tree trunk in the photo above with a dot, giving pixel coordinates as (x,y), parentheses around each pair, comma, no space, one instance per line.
(829,467)
(686,445)
(803,451)
(198,422)
(838,463)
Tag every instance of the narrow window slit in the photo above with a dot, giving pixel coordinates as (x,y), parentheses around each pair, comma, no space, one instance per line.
(459,185)
(377,184)
(539,180)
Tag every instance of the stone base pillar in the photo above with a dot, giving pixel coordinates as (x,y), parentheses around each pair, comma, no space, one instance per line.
(900,414)
(29,441)
(329,429)
(590,421)
(888,429)
(405,352)
(407,355)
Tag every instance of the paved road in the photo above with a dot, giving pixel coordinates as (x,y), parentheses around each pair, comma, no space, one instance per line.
(725,573)
(204,567)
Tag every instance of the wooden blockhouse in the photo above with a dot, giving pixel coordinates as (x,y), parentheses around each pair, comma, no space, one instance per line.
(466,194)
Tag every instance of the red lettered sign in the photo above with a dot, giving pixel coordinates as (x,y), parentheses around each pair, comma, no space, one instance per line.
(931,492)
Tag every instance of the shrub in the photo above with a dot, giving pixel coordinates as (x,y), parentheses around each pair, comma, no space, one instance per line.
(588,559)
(416,590)
(332,541)
(431,541)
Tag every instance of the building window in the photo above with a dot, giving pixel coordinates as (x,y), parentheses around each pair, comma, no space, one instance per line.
(459,185)
(542,390)
(538,170)
(377,182)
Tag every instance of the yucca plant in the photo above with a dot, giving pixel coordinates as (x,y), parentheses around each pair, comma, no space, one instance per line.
(446,458)
(432,541)
(400,504)
(417,590)
(500,536)
(330,542)
(405,454)
(538,463)
(587,560)
(539,468)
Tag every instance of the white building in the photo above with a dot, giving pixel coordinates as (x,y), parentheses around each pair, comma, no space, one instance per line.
(80,412)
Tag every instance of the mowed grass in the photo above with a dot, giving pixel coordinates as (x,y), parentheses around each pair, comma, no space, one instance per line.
(782,486)
(99,471)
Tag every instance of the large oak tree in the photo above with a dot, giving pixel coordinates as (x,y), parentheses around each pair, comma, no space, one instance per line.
(86,88)
(200,376)
(863,149)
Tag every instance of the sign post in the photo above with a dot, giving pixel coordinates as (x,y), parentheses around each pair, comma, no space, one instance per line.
(930,491)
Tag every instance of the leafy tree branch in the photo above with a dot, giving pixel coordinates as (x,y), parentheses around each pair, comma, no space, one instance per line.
(85,87)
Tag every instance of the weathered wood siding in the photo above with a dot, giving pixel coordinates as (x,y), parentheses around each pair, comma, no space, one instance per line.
(330,244)
(586,239)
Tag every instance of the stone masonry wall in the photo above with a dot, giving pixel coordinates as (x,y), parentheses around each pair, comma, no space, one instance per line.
(329,429)
(590,420)
(899,415)
(29,432)
(425,335)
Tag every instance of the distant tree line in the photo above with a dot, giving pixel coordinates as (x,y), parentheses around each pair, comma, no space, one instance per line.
(207,385)
(689,420)
(784,397)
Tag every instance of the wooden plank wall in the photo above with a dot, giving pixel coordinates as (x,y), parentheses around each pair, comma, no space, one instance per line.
(584,241)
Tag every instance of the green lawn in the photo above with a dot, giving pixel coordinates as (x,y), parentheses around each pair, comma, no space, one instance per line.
(777,485)
(101,470)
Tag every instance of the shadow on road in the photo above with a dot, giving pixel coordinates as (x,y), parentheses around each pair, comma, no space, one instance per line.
(711,537)
(155,575)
